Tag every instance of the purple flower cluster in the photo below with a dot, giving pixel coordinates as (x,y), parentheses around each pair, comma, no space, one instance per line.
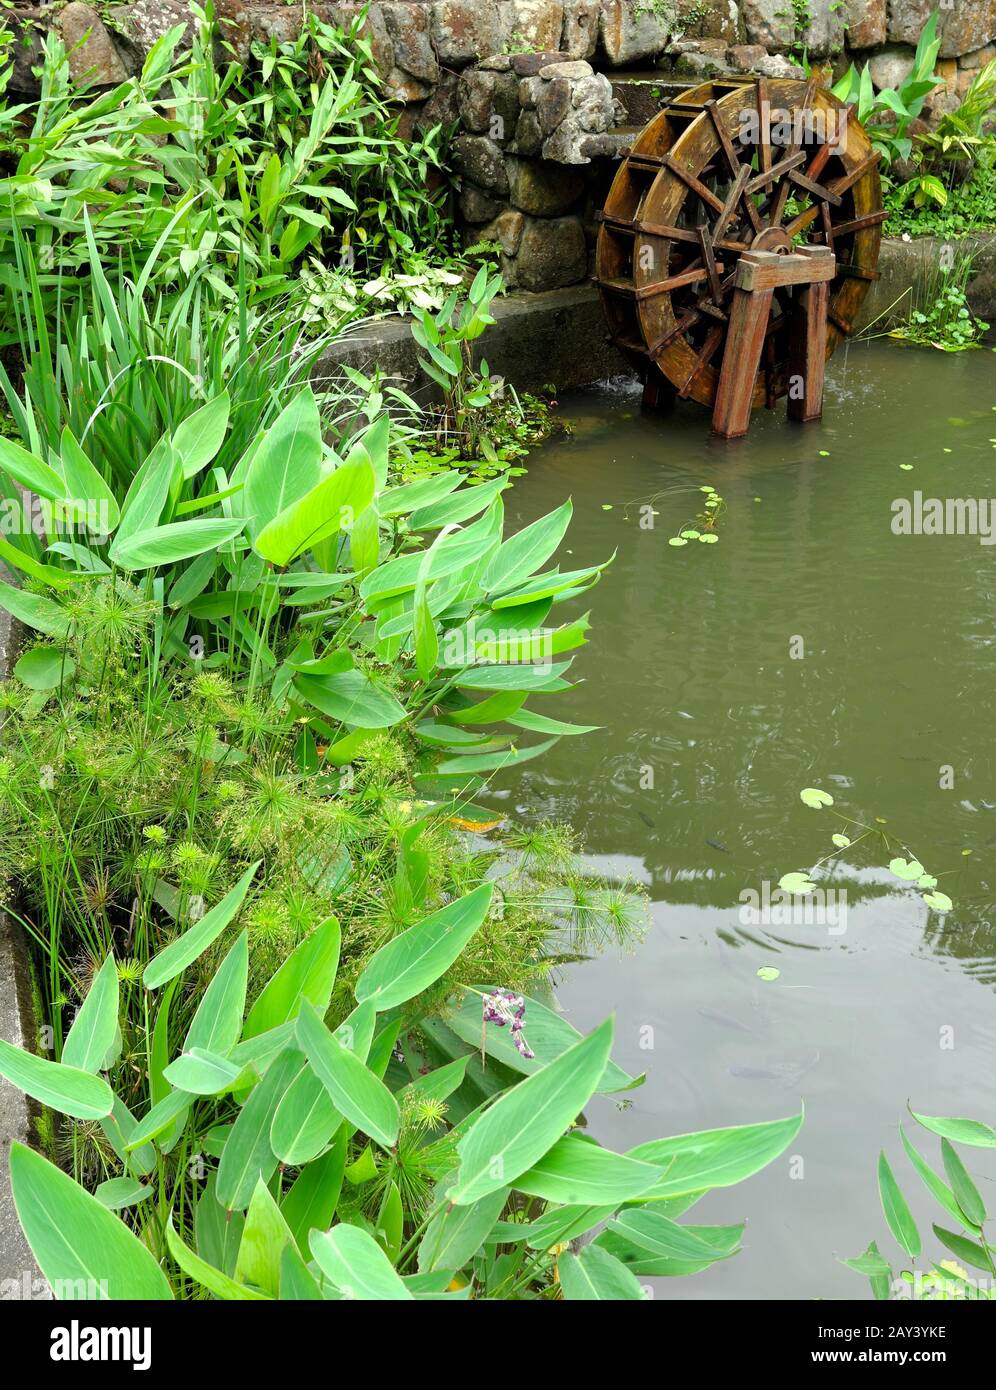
(501,1006)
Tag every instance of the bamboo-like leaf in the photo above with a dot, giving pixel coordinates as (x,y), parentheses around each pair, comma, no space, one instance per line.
(897,1214)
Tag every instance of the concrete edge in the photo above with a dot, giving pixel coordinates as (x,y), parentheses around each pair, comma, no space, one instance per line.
(907,267)
(19,1275)
(558,338)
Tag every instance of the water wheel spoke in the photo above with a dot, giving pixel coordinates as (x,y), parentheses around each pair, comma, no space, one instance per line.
(705,355)
(776,171)
(815,188)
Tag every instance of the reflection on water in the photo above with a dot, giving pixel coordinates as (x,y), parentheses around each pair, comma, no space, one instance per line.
(690,673)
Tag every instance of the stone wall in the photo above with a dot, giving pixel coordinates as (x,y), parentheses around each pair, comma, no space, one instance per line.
(543,95)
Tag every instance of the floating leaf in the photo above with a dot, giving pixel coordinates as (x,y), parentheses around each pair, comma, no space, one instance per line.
(768,972)
(907,869)
(814,797)
(841,841)
(677,540)
(796,882)
(938,902)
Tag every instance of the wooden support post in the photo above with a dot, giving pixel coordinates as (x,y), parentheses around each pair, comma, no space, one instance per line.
(757,276)
(808,354)
(741,359)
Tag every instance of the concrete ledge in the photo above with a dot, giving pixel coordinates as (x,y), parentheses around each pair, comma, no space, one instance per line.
(555,338)
(908,267)
(17,1264)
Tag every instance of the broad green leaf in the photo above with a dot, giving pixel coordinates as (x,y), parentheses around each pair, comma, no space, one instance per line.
(35,610)
(352,697)
(219,1283)
(66,1089)
(84,1251)
(418,957)
(715,1157)
(308,973)
(594,1274)
(455,1234)
(897,1214)
(663,1238)
(90,1039)
(330,506)
(311,1202)
(48,575)
(29,471)
(468,502)
(217,1023)
(518,1129)
(264,1237)
(363,1099)
(287,462)
(179,540)
(147,495)
(815,798)
(197,439)
(305,1120)
(972,1132)
(248,1155)
(117,1193)
(82,484)
(196,939)
(521,555)
(203,1073)
(297,1283)
(45,668)
(577,1172)
(217,1232)
(161,1117)
(356,1264)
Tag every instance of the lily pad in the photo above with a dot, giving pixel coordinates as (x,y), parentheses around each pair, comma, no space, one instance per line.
(938,902)
(796,882)
(677,540)
(907,869)
(768,972)
(709,539)
(691,535)
(841,841)
(926,881)
(814,797)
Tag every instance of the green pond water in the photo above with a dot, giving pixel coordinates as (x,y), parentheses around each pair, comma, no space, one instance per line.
(689,671)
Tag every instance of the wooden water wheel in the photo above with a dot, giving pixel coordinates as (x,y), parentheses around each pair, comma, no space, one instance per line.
(732,167)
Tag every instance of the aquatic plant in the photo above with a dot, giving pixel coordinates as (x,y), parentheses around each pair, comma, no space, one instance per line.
(273,1158)
(958,1194)
(905,867)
